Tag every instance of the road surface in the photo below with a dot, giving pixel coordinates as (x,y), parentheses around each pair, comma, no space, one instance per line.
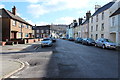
(67,59)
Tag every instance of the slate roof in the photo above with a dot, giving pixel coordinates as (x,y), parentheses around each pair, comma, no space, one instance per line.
(85,22)
(15,17)
(116,12)
(105,7)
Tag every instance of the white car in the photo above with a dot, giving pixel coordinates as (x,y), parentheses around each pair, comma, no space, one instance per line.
(46,42)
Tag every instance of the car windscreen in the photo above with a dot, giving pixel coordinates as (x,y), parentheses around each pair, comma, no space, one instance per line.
(90,39)
(45,39)
(107,40)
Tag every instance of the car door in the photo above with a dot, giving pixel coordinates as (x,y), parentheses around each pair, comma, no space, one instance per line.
(99,42)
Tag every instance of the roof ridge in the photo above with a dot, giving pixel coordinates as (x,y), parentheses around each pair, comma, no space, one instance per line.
(105,7)
(16,17)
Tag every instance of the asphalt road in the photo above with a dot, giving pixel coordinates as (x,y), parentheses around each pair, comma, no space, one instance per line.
(81,61)
(68,60)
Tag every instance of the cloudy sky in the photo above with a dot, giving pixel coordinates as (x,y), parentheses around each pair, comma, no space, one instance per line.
(42,12)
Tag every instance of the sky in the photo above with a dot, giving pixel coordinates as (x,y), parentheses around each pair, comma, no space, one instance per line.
(44,12)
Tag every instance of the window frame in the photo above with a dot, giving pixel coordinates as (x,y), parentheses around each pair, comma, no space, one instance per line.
(102,27)
(14,23)
(103,15)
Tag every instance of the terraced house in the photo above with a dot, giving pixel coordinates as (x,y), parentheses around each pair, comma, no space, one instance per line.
(99,22)
(13,26)
(115,22)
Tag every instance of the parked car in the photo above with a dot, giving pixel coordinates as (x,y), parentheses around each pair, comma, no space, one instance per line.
(105,43)
(53,39)
(71,39)
(46,42)
(63,37)
(78,40)
(88,41)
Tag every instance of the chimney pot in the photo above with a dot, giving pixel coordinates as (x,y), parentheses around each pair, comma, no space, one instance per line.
(88,15)
(97,7)
(80,21)
(14,10)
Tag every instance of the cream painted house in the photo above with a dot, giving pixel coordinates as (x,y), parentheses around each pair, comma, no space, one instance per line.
(99,23)
(84,27)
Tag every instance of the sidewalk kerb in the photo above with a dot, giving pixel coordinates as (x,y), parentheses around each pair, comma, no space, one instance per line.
(10,74)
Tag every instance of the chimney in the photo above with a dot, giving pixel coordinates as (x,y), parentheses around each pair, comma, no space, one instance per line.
(97,7)
(80,20)
(88,15)
(74,23)
(14,10)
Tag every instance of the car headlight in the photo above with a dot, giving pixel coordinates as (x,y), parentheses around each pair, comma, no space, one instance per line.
(108,44)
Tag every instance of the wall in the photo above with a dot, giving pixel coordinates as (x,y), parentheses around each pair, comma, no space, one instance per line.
(24,30)
(5,28)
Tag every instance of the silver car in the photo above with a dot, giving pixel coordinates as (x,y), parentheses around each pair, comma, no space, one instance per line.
(105,43)
(46,42)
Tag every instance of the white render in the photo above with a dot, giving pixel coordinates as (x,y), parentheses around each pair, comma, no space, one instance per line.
(105,21)
(115,28)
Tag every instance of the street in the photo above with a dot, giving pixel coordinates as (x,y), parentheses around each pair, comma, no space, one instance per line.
(66,59)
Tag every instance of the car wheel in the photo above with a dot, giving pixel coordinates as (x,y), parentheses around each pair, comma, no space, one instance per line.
(96,45)
(103,46)
(88,44)
(82,43)
(42,46)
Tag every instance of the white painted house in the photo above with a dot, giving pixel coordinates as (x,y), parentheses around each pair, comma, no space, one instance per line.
(99,22)
(115,22)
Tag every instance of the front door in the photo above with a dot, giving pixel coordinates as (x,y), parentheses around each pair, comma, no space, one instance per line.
(13,35)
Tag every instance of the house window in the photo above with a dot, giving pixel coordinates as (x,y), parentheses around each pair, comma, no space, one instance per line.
(37,35)
(96,27)
(23,25)
(20,25)
(26,35)
(13,22)
(96,36)
(26,26)
(0,15)
(113,21)
(37,31)
(42,31)
(91,28)
(29,27)
(96,18)
(47,31)
(102,27)
(102,15)
(91,36)
(102,35)
(92,20)
(19,35)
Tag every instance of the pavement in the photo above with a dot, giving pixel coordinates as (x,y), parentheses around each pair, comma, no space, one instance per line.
(8,69)
(10,66)
(20,47)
